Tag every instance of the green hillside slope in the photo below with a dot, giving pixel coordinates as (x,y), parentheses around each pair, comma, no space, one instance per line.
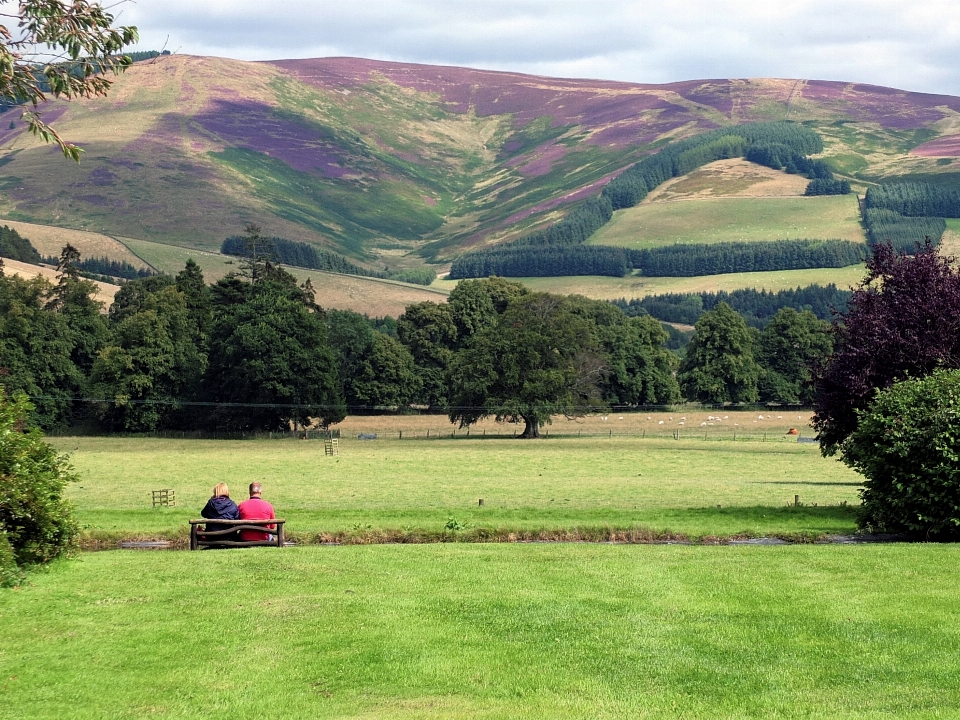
(399,163)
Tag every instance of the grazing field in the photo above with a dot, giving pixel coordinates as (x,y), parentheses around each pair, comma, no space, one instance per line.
(636,286)
(730,178)
(105,291)
(488,631)
(372,296)
(733,219)
(50,240)
(621,481)
(950,242)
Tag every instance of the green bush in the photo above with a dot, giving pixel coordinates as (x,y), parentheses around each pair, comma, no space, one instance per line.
(35,521)
(10,572)
(907,446)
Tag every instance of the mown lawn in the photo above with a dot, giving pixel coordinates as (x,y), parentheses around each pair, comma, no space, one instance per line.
(488,631)
(552,484)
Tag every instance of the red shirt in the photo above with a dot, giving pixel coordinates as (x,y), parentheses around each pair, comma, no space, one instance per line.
(256,509)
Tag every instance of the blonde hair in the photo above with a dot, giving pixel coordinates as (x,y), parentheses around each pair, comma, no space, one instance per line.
(221,490)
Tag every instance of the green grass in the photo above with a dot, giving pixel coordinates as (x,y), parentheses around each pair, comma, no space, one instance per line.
(634,286)
(554,484)
(488,631)
(733,220)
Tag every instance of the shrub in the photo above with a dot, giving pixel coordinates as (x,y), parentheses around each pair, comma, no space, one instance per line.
(10,572)
(907,446)
(35,520)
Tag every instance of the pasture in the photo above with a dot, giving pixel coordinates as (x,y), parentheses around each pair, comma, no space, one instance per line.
(458,629)
(488,631)
(630,475)
(636,286)
(733,219)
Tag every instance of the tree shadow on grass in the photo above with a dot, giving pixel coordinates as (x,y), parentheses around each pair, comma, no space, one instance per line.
(804,482)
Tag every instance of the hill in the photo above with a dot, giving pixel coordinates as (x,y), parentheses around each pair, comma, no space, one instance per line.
(391,163)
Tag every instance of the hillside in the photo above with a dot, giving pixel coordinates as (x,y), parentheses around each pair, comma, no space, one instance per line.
(390,163)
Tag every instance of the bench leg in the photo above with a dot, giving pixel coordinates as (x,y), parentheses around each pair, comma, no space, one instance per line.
(193,537)
(279,535)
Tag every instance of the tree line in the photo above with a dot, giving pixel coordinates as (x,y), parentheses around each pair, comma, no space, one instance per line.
(730,257)
(783,145)
(757,307)
(905,214)
(103,268)
(253,351)
(915,199)
(904,234)
(687,260)
(16,247)
(305,255)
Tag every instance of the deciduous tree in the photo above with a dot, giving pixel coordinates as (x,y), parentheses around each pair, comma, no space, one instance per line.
(902,322)
(59,49)
(540,359)
(719,365)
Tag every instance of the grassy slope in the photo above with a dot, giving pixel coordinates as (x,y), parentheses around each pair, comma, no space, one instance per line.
(186,149)
(632,286)
(105,291)
(50,240)
(482,631)
(732,219)
(389,484)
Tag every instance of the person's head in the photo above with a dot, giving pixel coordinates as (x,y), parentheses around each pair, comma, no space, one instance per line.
(221,490)
(255,489)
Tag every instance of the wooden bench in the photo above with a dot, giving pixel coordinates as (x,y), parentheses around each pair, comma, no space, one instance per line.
(208,538)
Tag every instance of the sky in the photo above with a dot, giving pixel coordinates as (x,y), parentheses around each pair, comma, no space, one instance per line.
(912,46)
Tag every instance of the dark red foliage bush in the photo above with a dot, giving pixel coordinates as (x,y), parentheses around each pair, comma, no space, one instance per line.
(902,322)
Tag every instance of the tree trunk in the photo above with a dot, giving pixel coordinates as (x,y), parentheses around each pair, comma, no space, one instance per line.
(531,428)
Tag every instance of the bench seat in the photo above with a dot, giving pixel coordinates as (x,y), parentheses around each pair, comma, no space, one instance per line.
(208,538)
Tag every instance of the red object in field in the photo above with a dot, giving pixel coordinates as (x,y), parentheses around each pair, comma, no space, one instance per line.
(793,431)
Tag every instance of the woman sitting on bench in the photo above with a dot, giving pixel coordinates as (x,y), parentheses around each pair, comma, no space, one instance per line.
(221,507)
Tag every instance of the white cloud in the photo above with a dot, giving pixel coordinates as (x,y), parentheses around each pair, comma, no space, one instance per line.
(882,42)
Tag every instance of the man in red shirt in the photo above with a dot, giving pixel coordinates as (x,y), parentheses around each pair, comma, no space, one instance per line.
(256,509)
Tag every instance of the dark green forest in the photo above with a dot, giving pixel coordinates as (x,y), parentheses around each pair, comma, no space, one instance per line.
(757,307)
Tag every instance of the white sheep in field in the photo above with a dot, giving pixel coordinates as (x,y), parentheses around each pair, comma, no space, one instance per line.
(680,423)
(661,422)
(703,424)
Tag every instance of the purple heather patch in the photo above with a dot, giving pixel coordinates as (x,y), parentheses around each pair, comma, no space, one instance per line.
(102,177)
(578,194)
(540,160)
(255,126)
(941,147)
(98,200)
(895,109)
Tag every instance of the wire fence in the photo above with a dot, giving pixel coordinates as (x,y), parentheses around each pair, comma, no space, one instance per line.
(398,434)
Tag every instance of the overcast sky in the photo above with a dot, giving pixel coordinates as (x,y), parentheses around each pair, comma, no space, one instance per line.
(914,46)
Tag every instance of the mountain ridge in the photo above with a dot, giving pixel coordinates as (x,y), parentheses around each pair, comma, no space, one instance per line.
(388,163)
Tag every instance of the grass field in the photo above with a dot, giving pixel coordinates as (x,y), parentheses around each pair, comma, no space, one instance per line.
(105,291)
(730,178)
(633,286)
(488,631)
(713,220)
(418,485)
(50,240)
